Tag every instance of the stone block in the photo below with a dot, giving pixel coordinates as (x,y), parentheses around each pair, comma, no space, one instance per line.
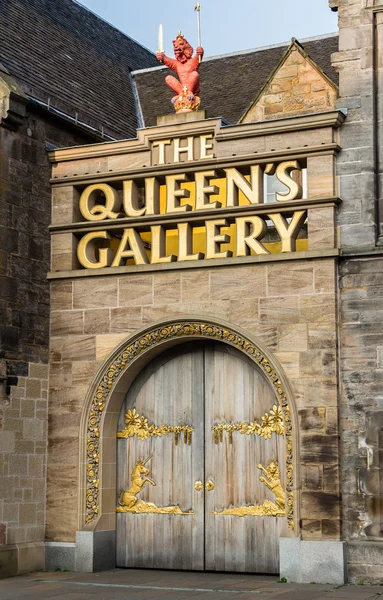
(294,279)
(289,362)
(63,249)
(35,466)
(100,292)
(167,288)
(95,551)
(324,276)
(97,321)
(320,176)
(125,320)
(61,295)
(27,514)
(231,282)
(135,290)
(292,337)
(8,561)
(33,388)
(18,464)
(7,441)
(105,344)
(319,505)
(31,557)
(195,285)
(283,309)
(33,430)
(312,477)
(310,560)
(312,419)
(67,322)
(316,448)
(38,371)
(60,555)
(289,559)
(65,205)
(27,408)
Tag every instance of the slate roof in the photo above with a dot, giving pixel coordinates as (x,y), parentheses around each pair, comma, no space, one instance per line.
(64,55)
(229,84)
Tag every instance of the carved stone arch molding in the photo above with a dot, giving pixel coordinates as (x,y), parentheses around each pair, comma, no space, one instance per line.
(98,428)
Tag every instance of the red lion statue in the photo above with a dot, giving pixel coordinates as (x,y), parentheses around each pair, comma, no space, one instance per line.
(186,66)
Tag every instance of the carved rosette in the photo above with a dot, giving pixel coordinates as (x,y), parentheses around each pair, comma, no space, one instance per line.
(140,346)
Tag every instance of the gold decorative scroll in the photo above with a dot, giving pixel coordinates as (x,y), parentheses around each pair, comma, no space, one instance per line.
(128,501)
(272,480)
(270,423)
(137,425)
(142,343)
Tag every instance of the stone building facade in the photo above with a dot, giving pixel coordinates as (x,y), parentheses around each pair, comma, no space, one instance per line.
(303,307)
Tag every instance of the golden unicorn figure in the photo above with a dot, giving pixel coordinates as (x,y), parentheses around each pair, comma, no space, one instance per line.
(128,501)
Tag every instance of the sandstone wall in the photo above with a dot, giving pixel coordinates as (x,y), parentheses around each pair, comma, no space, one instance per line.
(290,307)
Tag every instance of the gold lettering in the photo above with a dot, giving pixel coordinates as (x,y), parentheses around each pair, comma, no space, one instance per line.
(161,149)
(174,192)
(87,248)
(152,196)
(136,248)
(203,190)
(288,232)
(284,176)
(214,239)
(179,149)
(204,146)
(185,243)
(130,200)
(98,212)
(249,231)
(253,191)
(159,246)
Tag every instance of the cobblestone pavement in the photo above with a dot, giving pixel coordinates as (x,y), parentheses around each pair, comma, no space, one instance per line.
(144,585)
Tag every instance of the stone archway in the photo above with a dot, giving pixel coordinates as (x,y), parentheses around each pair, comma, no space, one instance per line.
(98,426)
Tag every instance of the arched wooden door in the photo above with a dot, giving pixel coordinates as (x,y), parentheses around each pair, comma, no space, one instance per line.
(200,451)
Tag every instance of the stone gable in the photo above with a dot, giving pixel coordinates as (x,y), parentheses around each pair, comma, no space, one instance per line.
(297,86)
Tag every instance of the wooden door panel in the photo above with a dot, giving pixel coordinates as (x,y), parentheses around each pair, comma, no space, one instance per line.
(235,391)
(167,392)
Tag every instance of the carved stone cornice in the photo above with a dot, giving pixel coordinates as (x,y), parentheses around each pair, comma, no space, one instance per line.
(13,102)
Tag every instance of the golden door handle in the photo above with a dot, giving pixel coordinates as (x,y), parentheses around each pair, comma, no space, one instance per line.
(209,486)
(198,486)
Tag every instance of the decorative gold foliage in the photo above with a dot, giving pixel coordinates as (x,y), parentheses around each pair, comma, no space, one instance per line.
(137,425)
(142,344)
(270,423)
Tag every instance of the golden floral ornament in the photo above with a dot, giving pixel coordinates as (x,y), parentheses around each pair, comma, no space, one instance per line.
(270,423)
(144,343)
(137,425)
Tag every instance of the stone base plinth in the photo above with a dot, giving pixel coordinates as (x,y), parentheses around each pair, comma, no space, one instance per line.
(182,117)
(95,551)
(313,561)
(60,555)
(18,559)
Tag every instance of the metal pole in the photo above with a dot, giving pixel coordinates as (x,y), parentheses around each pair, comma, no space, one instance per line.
(198,9)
